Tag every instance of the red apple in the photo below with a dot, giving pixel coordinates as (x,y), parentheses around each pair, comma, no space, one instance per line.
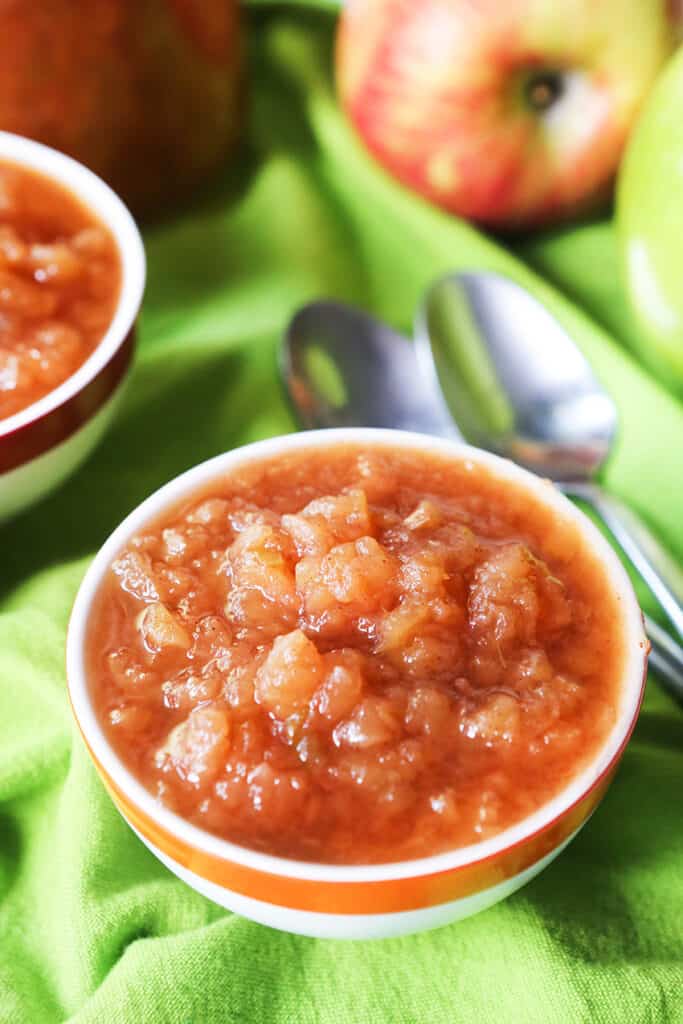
(509,112)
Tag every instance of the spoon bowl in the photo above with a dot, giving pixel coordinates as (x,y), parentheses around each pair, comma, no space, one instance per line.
(344,368)
(516,383)
(512,378)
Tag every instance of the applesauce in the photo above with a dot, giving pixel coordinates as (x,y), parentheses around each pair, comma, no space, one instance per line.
(356,654)
(60,277)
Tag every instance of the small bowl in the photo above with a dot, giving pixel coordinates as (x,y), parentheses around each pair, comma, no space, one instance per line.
(373,901)
(45,442)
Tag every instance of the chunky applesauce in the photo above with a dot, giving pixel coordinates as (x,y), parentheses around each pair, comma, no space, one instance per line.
(59,285)
(356,655)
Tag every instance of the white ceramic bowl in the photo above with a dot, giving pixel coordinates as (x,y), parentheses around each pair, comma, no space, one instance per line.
(43,443)
(358,901)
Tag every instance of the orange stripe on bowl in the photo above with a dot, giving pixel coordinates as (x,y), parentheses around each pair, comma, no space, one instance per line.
(388,896)
(377,897)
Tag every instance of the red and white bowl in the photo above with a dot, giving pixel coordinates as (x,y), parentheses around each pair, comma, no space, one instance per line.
(43,443)
(357,901)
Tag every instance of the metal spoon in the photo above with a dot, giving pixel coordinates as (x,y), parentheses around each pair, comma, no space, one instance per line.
(342,367)
(516,383)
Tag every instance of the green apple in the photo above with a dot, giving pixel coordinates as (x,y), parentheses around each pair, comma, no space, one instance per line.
(650,224)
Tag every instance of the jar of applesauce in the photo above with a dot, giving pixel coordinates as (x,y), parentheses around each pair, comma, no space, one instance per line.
(145,92)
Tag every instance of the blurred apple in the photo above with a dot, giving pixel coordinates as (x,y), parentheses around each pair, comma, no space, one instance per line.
(650,222)
(509,112)
(148,93)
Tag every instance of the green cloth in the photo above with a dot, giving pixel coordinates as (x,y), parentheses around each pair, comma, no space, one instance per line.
(92,928)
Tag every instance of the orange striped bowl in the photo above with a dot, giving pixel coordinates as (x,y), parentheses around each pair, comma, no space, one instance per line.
(358,901)
(45,442)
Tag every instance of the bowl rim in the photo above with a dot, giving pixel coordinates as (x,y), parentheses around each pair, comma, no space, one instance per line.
(548,814)
(97,196)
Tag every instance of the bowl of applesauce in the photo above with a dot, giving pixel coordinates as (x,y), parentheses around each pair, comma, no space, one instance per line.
(356,683)
(72,273)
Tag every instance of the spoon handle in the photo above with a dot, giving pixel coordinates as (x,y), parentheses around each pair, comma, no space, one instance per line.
(650,559)
(666,659)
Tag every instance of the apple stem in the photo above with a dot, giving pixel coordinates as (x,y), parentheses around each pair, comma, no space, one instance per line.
(543,89)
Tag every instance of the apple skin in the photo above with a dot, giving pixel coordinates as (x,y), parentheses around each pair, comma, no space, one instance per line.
(440,92)
(650,225)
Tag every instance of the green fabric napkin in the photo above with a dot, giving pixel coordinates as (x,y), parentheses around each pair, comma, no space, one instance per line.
(92,927)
